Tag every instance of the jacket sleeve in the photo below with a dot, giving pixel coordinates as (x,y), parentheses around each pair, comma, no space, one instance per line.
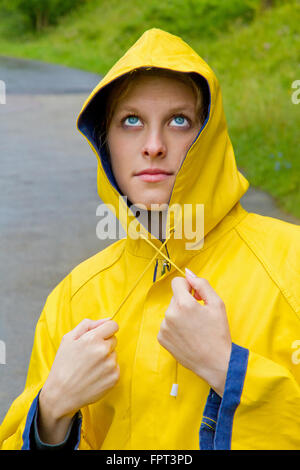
(70,441)
(15,430)
(259,410)
(14,424)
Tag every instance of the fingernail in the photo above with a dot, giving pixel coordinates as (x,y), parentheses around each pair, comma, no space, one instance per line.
(190,273)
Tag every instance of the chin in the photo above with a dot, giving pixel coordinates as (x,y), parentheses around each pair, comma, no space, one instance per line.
(153,205)
(145,197)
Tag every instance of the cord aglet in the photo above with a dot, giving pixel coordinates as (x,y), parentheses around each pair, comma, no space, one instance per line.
(174,390)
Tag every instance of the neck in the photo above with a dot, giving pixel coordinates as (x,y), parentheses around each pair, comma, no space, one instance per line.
(153,221)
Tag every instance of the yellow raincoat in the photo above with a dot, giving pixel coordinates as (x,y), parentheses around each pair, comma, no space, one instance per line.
(252,262)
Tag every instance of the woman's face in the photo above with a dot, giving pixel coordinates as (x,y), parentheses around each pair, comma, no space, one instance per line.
(152,128)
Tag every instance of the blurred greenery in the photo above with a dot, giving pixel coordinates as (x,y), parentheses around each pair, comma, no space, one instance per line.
(36,15)
(253,46)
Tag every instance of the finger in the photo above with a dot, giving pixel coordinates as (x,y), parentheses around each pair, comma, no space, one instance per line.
(86,325)
(202,287)
(181,290)
(193,292)
(107,329)
(197,296)
(113,355)
(112,341)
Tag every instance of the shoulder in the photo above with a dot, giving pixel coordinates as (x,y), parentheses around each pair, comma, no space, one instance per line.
(276,244)
(274,236)
(57,309)
(85,271)
(92,266)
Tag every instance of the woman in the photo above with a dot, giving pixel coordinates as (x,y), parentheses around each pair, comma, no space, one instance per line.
(131,350)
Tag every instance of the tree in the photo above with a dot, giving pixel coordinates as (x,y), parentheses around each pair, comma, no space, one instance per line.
(42,13)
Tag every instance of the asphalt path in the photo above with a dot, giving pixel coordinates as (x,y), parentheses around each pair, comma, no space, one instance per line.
(48,201)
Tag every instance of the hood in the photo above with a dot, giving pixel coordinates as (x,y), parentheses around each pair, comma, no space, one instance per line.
(208,174)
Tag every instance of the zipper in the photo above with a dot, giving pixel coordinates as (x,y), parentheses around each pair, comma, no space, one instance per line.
(166,263)
(165,266)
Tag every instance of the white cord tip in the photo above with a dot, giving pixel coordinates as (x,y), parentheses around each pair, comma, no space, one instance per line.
(174,390)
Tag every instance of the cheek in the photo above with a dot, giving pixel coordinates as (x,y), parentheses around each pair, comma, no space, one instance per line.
(122,144)
(179,150)
(183,147)
(120,153)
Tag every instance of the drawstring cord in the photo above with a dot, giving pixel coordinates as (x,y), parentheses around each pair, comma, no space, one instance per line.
(164,255)
(174,389)
(147,267)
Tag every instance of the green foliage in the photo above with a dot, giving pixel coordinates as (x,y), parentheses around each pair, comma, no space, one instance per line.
(200,18)
(38,14)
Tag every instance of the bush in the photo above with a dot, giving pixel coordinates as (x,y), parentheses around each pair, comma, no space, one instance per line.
(207,17)
(39,14)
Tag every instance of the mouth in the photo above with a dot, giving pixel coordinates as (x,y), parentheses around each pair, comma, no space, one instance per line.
(153,175)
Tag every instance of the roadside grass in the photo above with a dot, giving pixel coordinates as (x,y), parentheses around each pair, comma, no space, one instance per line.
(255,59)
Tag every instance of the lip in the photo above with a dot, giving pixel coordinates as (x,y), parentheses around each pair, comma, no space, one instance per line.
(152,175)
(153,171)
(150,178)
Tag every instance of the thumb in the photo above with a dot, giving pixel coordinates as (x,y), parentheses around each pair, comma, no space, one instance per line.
(201,286)
(86,325)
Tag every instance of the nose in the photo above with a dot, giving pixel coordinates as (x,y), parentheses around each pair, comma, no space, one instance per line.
(154,146)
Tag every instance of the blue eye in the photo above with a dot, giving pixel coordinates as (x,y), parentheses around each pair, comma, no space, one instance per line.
(131,120)
(180,121)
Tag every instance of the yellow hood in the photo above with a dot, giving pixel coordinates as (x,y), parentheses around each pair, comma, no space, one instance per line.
(208,174)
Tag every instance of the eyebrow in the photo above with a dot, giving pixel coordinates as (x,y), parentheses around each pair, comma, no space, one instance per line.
(176,109)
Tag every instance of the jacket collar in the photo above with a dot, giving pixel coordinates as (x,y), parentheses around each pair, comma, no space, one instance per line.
(176,248)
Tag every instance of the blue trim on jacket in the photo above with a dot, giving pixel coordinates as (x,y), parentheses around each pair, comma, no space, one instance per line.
(155,271)
(31,440)
(216,427)
(29,421)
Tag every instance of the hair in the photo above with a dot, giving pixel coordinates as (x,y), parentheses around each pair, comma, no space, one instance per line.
(120,87)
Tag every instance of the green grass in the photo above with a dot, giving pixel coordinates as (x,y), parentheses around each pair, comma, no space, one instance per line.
(256,57)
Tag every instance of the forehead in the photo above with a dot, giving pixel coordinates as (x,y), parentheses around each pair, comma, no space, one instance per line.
(159,90)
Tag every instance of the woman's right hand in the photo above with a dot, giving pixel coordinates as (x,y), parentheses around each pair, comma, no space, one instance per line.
(85,368)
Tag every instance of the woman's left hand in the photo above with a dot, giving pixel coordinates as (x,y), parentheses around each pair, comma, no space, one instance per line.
(198,335)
